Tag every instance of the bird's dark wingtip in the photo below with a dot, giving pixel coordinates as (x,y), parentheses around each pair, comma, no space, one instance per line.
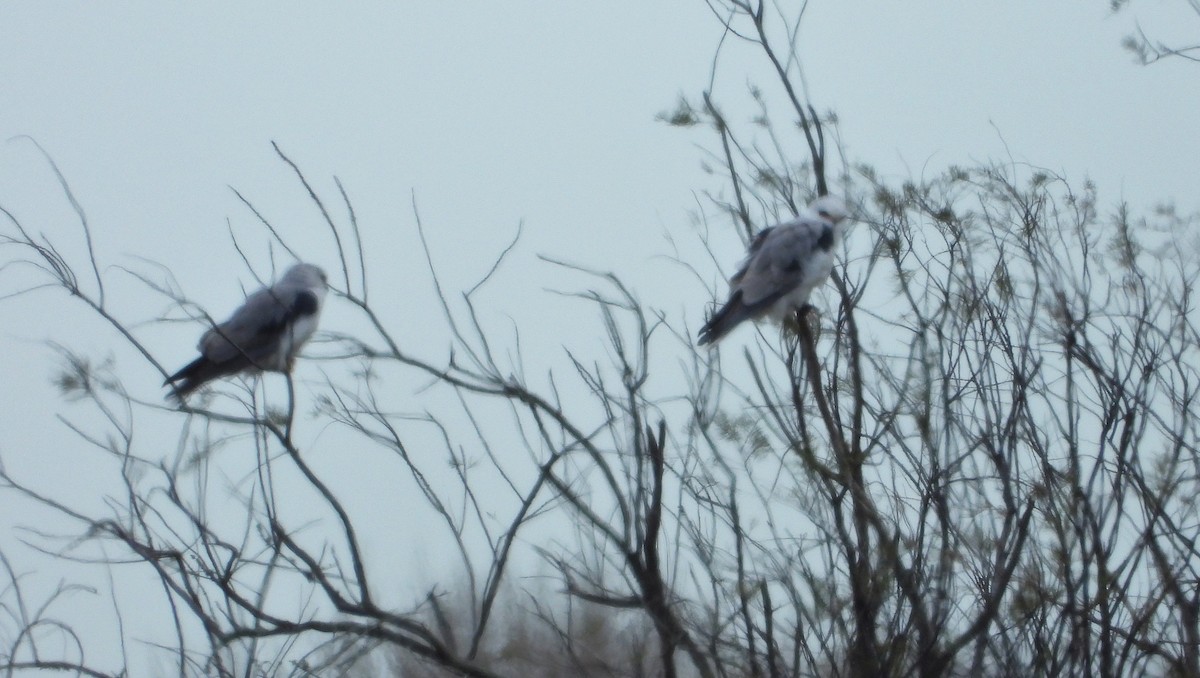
(187,379)
(178,393)
(724,320)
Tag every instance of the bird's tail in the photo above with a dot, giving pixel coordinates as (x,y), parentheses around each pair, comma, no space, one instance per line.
(724,320)
(191,377)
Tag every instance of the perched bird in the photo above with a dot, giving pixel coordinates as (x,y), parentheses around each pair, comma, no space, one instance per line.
(783,266)
(266,333)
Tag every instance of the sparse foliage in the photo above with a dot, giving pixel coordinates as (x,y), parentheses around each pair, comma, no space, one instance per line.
(1149,49)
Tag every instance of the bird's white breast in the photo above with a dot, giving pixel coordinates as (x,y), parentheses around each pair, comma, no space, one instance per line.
(816,271)
(293,340)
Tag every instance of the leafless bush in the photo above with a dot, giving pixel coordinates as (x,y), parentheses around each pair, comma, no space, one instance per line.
(978,457)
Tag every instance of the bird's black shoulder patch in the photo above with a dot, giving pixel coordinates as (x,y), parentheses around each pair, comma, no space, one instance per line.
(792,266)
(825,242)
(305,304)
(760,237)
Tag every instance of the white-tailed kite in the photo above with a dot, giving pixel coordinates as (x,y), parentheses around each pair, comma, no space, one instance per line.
(266,333)
(783,266)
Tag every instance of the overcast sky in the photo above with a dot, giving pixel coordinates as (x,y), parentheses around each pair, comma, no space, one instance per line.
(493,115)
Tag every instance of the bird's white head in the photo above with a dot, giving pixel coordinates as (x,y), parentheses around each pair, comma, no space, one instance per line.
(306,275)
(829,208)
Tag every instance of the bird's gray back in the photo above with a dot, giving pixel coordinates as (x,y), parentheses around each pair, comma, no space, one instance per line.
(782,259)
(244,331)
